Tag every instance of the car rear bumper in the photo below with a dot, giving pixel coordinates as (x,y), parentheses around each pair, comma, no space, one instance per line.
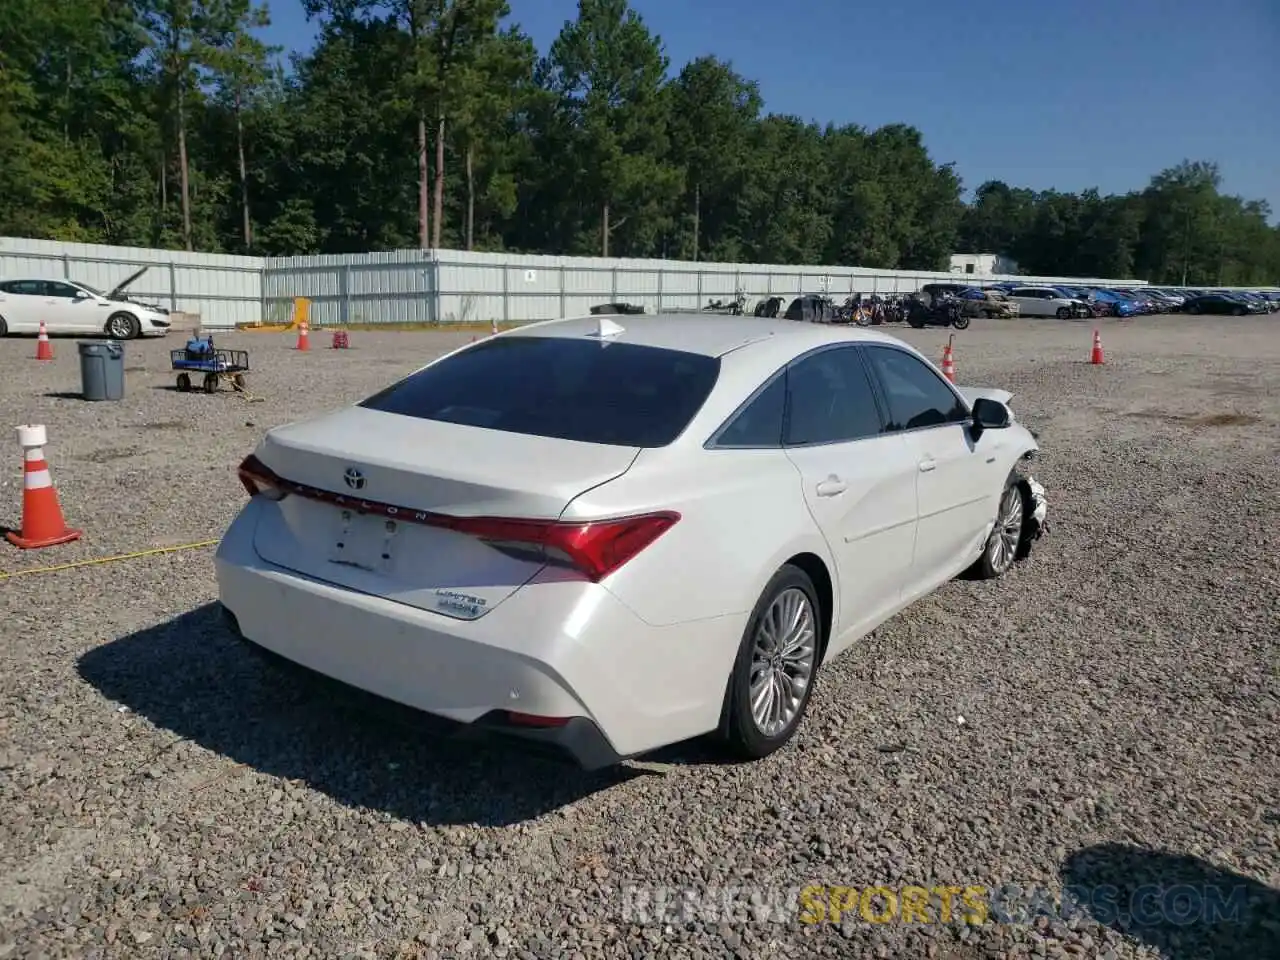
(615,685)
(579,739)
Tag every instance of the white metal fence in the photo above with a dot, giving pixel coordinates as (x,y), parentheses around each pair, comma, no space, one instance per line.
(451,286)
(445,286)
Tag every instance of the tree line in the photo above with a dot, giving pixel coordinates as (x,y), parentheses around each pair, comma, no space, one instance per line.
(437,123)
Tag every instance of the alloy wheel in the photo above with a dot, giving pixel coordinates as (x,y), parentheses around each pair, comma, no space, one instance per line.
(1007,532)
(782,661)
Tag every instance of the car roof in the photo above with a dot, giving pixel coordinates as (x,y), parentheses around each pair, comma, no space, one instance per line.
(712,335)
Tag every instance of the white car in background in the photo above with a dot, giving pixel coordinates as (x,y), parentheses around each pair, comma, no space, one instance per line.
(613,538)
(77,308)
(1047,302)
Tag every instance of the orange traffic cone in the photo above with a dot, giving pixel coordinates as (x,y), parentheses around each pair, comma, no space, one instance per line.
(304,342)
(1095,356)
(948,362)
(42,523)
(44,349)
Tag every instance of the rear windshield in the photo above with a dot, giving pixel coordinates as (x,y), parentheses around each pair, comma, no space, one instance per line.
(570,389)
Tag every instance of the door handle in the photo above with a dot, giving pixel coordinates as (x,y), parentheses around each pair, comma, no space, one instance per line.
(927,464)
(833,486)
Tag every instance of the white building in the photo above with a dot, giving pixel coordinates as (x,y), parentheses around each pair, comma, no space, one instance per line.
(982,264)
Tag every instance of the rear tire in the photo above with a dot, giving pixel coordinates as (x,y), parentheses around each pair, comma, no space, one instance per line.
(961,323)
(4,328)
(1064,313)
(184,383)
(776,666)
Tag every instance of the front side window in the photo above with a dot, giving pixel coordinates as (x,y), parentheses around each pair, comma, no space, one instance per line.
(917,396)
(52,288)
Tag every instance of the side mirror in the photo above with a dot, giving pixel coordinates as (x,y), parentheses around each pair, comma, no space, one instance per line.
(989,414)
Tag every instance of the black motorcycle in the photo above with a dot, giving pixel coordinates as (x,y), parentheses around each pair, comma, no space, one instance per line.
(944,312)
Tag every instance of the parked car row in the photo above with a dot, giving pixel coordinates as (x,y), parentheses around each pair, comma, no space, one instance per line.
(1063,301)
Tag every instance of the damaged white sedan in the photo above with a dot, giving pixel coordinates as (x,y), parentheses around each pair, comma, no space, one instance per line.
(612,534)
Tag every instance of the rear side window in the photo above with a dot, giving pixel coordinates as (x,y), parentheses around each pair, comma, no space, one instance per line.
(759,424)
(569,389)
(27,288)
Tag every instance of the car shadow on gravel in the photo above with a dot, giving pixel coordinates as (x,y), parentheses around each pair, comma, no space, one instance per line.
(191,676)
(1181,905)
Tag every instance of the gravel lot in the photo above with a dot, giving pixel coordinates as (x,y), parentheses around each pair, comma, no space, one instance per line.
(164,796)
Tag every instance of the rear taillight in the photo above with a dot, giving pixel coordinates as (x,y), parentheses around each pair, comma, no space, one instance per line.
(259,480)
(596,548)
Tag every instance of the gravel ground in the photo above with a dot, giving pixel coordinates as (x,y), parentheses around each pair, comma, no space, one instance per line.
(164,796)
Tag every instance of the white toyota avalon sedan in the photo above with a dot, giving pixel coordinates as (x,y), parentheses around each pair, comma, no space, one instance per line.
(613,534)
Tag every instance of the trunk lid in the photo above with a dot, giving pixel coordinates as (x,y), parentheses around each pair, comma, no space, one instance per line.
(365,457)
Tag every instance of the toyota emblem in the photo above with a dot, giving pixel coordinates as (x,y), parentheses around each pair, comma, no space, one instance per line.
(354,478)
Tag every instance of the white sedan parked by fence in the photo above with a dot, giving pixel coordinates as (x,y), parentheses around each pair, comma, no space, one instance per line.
(69,307)
(612,538)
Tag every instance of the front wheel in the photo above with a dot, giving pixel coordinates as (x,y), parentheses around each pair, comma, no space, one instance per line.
(776,665)
(1005,542)
(960,323)
(1064,313)
(123,326)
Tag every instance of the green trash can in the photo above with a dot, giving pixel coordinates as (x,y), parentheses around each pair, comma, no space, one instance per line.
(102,370)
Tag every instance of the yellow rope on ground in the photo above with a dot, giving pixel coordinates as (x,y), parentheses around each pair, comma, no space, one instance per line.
(122,556)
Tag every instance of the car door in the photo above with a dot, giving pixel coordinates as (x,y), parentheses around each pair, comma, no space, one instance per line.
(21,305)
(1027,300)
(859,484)
(68,310)
(958,480)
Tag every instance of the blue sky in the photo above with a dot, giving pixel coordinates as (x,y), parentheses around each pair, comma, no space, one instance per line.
(1042,94)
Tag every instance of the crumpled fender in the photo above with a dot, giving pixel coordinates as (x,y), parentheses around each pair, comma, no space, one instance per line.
(1037,521)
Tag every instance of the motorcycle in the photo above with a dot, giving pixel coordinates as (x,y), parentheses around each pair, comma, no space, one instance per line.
(944,312)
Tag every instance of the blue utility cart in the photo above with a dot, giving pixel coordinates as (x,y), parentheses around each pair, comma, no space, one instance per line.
(200,357)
